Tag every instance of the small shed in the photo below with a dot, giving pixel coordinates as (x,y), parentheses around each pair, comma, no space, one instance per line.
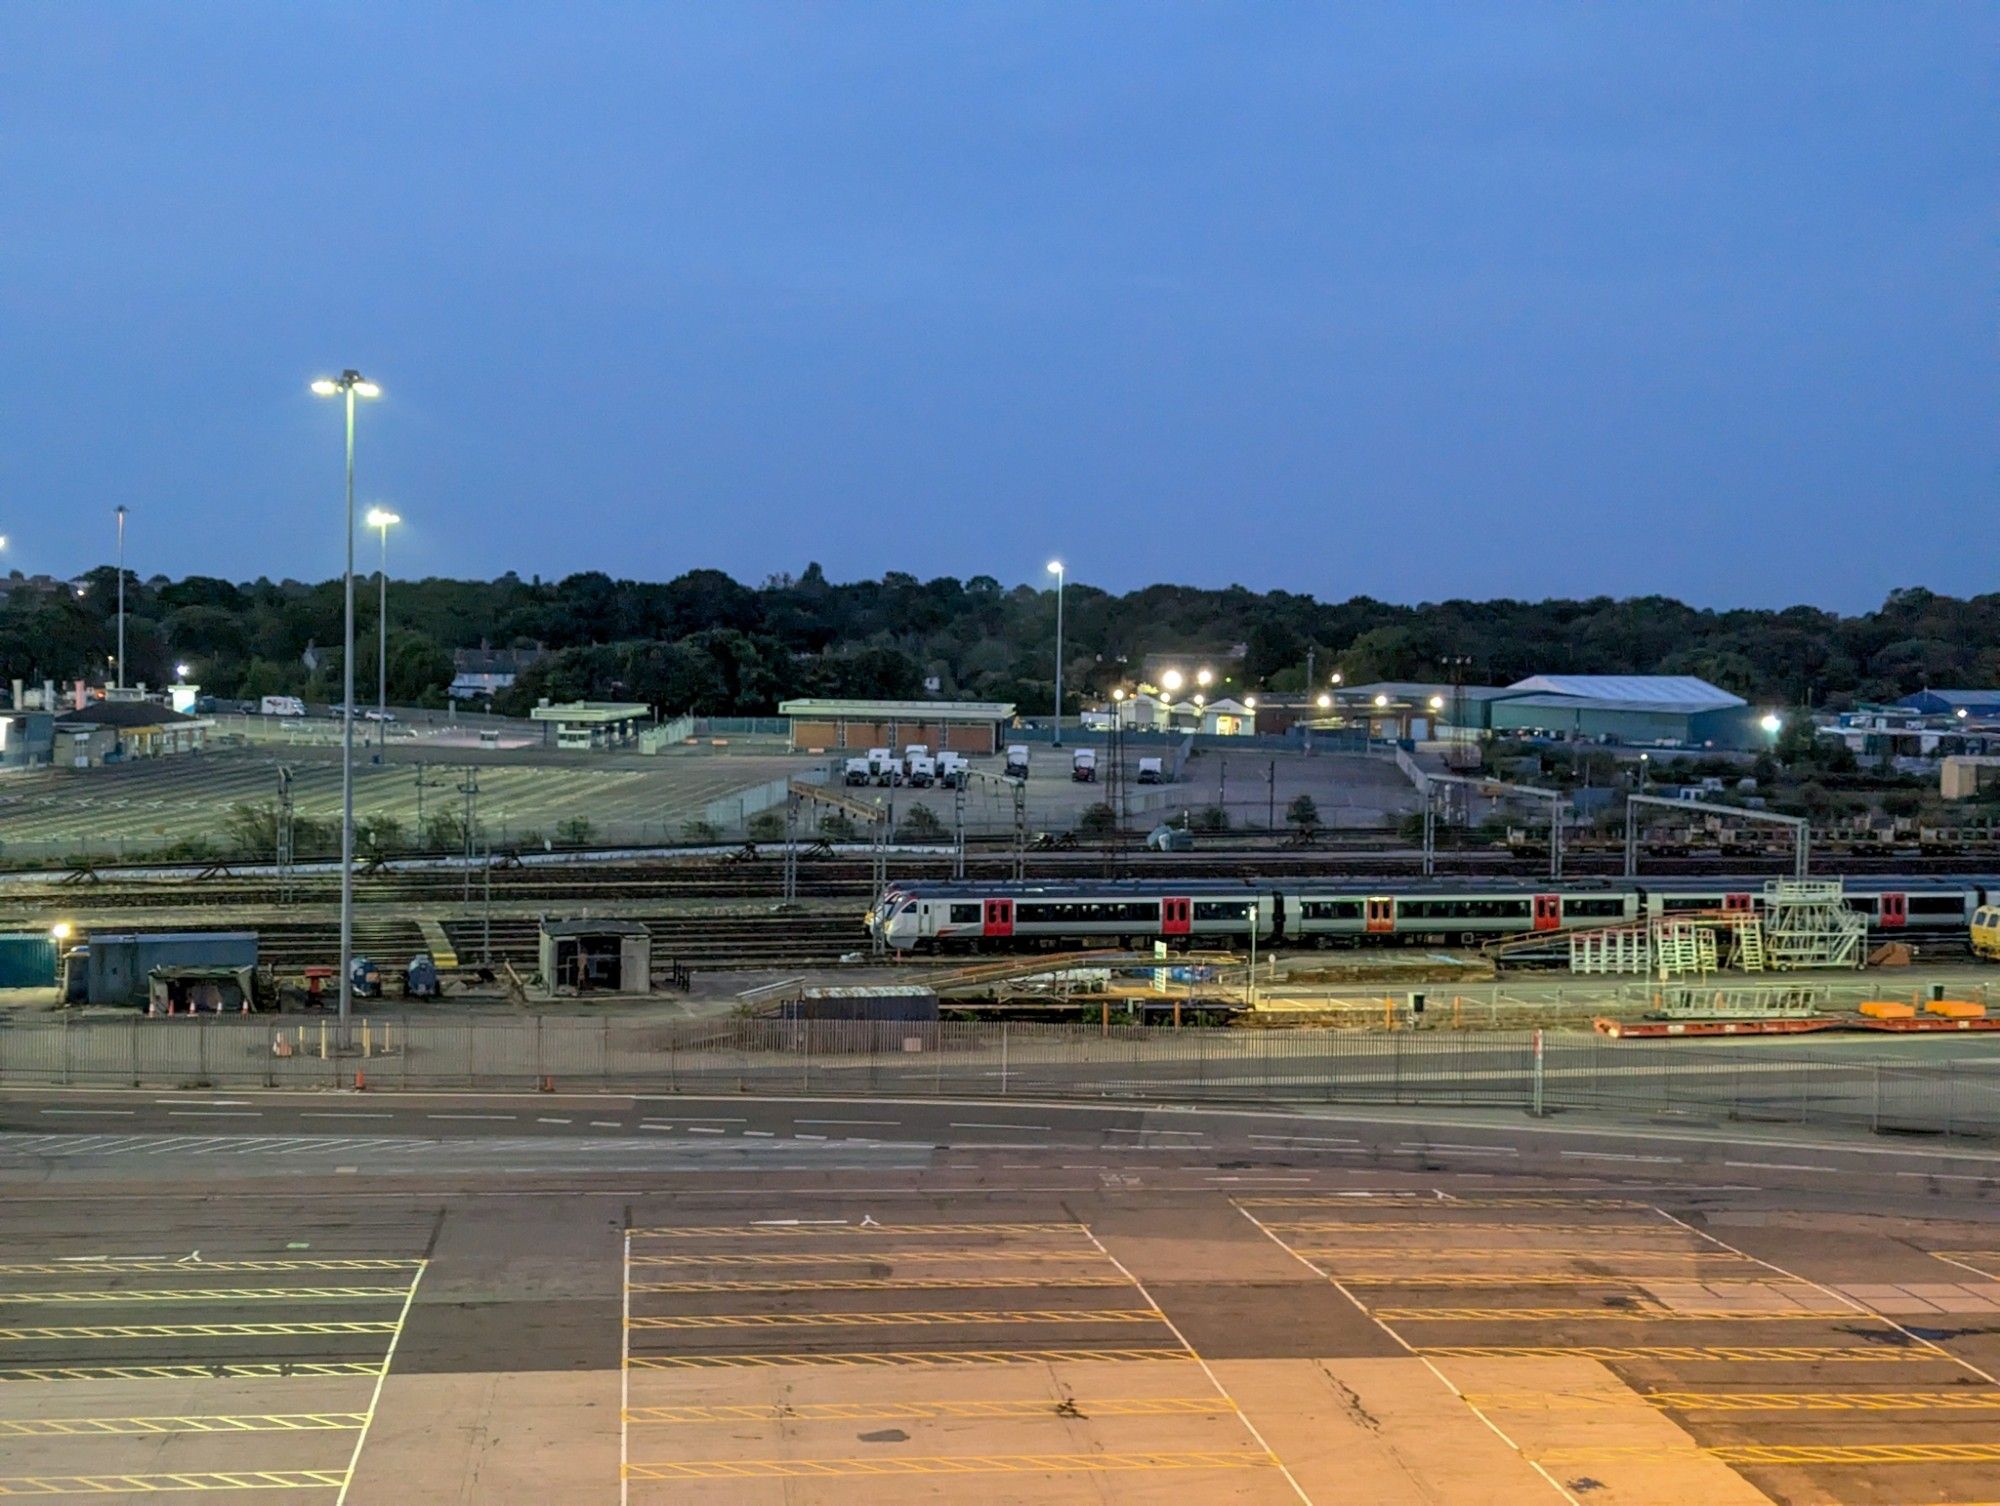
(27,959)
(596,956)
(118,965)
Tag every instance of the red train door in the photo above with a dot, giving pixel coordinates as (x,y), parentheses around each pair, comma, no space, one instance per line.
(999,917)
(1737,902)
(1895,911)
(1548,911)
(1381,913)
(1176,917)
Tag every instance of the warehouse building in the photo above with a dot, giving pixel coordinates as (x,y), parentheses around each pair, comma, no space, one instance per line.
(971,727)
(1643,710)
(586,725)
(1976,704)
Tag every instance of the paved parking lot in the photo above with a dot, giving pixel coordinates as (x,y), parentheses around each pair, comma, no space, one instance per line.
(133,1364)
(540,1299)
(135,806)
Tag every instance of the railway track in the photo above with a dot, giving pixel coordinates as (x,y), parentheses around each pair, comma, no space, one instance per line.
(852,877)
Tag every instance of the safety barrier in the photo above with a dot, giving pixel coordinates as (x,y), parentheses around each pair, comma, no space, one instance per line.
(1520,1069)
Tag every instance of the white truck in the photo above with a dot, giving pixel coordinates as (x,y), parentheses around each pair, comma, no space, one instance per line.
(281,705)
(952,770)
(854,771)
(923,769)
(915,751)
(1083,766)
(884,767)
(1017,761)
(1152,771)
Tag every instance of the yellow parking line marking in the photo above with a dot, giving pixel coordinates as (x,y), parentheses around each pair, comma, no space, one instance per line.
(911,1357)
(194,1268)
(1432,1226)
(112,1485)
(1730,1353)
(957,1464)
(208,1294)
(1502,1252)
(859,1257)
(870,1411)
(881,1284)
(93,1427)
(896,1319)
(1488,1278)
(812,1231)
(1453,1204)
(190,1331)
(1604,1314)
(1825,1401)
(190,1372)
(1792,1453)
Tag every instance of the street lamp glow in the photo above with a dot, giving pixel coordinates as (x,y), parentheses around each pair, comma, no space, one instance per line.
(1381,699)
(1325,701)
(60,930)
(1172,680)
(1199,698)
(381,517)
(1055,567)
(1336,678)
(1204,677)
(1437,703)
(1249,703)
(1961,713)
(1118,695)
(181,670)
(1771,723)
(325,387)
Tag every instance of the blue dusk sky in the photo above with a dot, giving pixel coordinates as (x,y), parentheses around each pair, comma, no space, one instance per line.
(1414,300)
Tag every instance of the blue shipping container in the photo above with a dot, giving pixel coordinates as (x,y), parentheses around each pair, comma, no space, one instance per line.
(27,960)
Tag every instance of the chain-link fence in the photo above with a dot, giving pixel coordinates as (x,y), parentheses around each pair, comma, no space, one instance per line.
(1525,1070)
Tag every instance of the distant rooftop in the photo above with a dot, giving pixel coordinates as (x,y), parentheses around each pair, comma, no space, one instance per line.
(964,711)
(125,714)
(1678,693)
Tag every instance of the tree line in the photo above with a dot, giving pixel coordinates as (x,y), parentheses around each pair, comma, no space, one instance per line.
(708,643)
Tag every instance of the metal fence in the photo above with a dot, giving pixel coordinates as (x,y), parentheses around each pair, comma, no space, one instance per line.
(1524,1070)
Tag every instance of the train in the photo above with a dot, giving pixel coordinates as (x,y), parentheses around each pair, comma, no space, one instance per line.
(970,916)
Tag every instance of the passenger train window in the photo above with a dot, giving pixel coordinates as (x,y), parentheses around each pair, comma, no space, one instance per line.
(1331,909)
(1936,904)
(965,915)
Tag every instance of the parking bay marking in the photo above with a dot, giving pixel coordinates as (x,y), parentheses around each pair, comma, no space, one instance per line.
(912,1358)
(749,1469)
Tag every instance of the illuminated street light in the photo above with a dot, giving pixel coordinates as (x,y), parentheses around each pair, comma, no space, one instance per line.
(1437,703)
(1172,680)
(1056,569)
(61,930)
(349,385)
(381,519)
(181,671)
(1204,677)
(1772,723)
(1325,701)
(1336,678)
(1381,699)
(1118,695)
(1249,703)
(1199,698)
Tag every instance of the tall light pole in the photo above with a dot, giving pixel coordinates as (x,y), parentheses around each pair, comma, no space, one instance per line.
(120,512)
(1056,569)
(380,519)
(349,384)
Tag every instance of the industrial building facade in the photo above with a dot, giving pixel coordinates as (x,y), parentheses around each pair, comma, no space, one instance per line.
(822,726)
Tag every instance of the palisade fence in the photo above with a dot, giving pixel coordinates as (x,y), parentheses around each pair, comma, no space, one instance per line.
(1525,1070)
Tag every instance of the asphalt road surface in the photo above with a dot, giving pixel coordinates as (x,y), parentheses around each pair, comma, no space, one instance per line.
(548,1299)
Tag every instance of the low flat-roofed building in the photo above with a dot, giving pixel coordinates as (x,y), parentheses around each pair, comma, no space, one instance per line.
(595,724)
(1969,703)
(113,731)
(1664,710)
(958,726)
(27,739)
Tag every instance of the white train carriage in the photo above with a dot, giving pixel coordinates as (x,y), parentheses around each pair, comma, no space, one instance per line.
(1466,913)
(1004,917)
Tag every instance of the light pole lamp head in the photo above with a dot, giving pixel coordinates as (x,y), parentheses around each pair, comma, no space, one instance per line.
(381,517)
(1171,680)
(1772,723)
(348,381)
(1056,568)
